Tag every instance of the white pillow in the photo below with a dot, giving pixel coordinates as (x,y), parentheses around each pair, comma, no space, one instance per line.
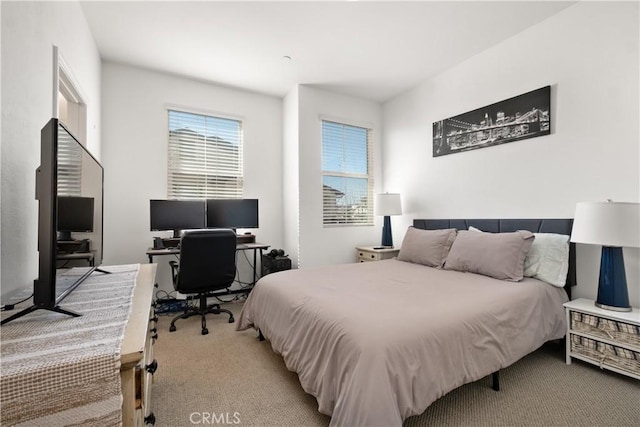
(548,258)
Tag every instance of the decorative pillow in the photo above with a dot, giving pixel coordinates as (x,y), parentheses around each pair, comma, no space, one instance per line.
(427,247)
(548,259)
(498,255)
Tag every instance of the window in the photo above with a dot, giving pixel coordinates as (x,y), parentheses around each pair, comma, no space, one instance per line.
(205,157)
(347,176)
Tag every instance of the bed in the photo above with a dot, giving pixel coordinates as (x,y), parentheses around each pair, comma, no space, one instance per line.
(378,342)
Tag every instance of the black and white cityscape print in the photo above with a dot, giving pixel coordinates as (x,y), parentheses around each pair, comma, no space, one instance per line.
(521,117)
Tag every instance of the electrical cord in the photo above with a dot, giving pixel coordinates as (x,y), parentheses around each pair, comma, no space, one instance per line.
(244,285)
(247,258)
(167,302)
(8,307)
(167,295)
(235,298)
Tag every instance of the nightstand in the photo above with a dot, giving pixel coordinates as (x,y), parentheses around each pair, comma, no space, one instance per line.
(609,339)
(374,253)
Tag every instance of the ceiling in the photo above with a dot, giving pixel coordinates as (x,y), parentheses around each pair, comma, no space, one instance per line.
(372,50)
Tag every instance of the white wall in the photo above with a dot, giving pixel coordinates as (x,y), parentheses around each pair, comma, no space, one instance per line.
(29,31)
(588,53)
(291,175)
(332,245)
(135,131)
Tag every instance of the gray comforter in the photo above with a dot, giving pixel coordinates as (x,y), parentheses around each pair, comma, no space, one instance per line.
(378,342)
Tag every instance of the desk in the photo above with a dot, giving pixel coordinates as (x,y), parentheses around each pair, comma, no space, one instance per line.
(255,247)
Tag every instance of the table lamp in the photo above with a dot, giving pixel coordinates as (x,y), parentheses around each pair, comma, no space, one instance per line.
(388,204)
(613,225)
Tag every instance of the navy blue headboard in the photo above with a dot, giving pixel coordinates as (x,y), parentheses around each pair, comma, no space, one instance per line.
(558,226)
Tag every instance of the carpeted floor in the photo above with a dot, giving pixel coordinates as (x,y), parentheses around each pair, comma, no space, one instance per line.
(230,377)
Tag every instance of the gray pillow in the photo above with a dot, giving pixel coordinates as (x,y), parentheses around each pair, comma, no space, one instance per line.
(427,247)
(498,255)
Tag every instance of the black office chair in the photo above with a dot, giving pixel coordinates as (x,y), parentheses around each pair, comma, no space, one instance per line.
(207,264)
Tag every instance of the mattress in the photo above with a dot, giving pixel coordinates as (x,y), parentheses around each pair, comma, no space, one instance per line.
(378,342)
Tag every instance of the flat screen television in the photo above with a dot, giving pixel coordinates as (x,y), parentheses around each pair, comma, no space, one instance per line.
(75,215)
(66,169)
(232,213)
(176,215)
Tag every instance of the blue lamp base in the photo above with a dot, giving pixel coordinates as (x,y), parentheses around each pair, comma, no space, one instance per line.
(387,239)
(612,287)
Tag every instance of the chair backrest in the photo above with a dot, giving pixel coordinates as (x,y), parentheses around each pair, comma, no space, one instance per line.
(207,261)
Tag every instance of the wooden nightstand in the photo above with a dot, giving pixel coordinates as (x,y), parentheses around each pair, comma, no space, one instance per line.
(609,339)
(373,253)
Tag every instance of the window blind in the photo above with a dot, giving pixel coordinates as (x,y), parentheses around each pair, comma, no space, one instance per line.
(347,181)
(69,165)
(205,157)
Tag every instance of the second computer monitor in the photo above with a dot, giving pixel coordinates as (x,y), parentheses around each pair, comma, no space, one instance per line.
(177,215)
(232,213)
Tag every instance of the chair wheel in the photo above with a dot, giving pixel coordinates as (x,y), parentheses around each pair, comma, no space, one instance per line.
(172,328)
(205,331)
(231,320)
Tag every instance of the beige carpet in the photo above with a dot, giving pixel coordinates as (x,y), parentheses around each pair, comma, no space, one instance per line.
(230,377)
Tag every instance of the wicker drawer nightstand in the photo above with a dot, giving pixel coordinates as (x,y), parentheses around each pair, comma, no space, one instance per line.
(374,253)
(609,339)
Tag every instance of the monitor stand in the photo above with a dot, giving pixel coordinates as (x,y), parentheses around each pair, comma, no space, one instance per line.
(55,308)
(28,310)
(64,236)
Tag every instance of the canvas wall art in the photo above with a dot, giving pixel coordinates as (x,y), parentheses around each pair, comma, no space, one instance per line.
(521,117)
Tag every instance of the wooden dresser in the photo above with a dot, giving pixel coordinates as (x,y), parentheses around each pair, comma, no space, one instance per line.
(59,370)
(137,361)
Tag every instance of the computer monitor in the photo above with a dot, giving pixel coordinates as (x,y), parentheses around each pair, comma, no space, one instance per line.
(177,215)
(75,214)
(232,213)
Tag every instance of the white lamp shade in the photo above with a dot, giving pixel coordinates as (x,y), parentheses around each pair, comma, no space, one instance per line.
(388,204)
(607,223)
